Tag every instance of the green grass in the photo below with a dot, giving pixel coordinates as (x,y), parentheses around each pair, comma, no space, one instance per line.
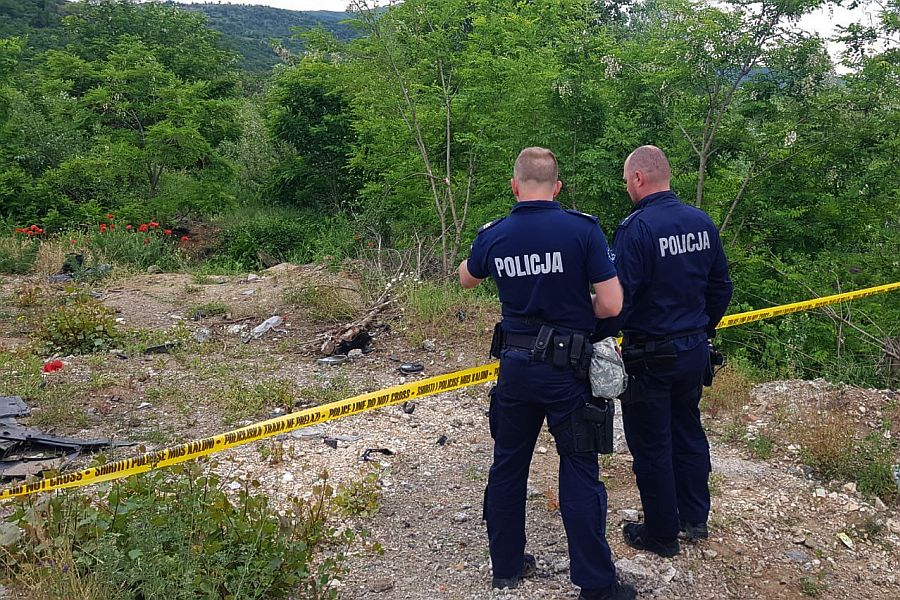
(761,447)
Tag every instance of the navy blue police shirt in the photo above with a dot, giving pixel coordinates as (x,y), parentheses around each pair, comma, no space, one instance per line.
(672,268)
(543,259)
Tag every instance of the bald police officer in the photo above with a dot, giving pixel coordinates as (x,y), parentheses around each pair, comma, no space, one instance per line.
(546,261)
(675,277)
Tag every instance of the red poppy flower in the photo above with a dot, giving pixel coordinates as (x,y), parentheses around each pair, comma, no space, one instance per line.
(53,365)
(110,216)
(185,238)
(102,227)
(154,224)
(167,231)
(129,227)
(112,226)
(143,228)
(73,242)
(21,230)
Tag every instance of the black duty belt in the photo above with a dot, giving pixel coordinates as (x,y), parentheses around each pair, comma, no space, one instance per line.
(632,338)
(561,350)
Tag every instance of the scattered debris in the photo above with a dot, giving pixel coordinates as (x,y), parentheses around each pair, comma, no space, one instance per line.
(366,455)
(409,407)
(442,440)
(411,368)
(845,539)
(13,406)
(313,431)
(429,346)
(362,341)
(331,361)
(264,327)
(162,348)
(52,366)
(331,443)
(355,353)
(202,335)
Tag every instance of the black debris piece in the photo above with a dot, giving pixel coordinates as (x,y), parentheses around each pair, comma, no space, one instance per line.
(442,440)
(331,442)
(411,368)
(26,451)
(461,315)
(361,341)
(162,348)
(13,406)
(333,360)
(367,454)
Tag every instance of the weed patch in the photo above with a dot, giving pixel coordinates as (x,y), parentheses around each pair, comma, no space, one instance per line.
(361,497)
(17,255)
(327,390)
(239,401)
(761,447)
(729,393)
(79,327)
(323,302)
(173,534)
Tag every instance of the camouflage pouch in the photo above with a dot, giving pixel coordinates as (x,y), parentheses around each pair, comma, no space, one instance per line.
(608,376)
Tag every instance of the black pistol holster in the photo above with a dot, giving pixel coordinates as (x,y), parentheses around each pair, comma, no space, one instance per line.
(587,430)
(549,346)
(716,364)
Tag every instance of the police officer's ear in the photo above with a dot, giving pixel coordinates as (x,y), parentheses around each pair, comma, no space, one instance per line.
(557,188)
(514,185)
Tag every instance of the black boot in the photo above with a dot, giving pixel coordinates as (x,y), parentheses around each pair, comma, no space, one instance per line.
(636,536)
(617,591)
(693,532)
(529,568)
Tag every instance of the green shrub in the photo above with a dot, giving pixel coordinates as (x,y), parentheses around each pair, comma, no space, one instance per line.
(132,248)
(173,534)
(81,327)
(287,235)
(17,255)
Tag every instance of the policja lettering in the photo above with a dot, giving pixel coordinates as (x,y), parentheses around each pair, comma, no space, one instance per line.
(684,243)
(529,264)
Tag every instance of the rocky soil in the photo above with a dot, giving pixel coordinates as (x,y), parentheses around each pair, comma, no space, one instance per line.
(776,530)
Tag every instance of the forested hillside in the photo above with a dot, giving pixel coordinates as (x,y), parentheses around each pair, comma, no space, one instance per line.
(394,146)
(257,32)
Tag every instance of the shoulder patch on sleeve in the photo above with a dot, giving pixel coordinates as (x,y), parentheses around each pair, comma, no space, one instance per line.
(578,213)
(627,220)
(489,224)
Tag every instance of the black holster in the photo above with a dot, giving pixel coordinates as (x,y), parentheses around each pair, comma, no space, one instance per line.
(716,362)
(639,357)
(587,430)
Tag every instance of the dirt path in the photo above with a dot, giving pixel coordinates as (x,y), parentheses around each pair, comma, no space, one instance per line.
(774,528)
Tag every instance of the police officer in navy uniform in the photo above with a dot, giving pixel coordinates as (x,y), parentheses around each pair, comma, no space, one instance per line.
(674,274)
(554,276)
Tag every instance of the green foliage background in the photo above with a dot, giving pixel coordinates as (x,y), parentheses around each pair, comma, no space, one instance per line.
(397,132)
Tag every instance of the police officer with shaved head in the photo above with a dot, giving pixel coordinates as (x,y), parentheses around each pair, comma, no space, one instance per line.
(554,275)
(673,270)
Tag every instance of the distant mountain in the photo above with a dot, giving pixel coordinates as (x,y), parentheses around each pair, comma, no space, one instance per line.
(248,30)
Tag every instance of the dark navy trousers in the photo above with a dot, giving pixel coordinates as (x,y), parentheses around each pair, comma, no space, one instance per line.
(661,414)
(526,394)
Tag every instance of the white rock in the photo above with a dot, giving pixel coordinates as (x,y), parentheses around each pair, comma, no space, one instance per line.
(850,488)
(253,277)
(879,504)
(542,450)
(429,345)
(629,515)
(893,526)
(820,493)
(355,353)
(287,477)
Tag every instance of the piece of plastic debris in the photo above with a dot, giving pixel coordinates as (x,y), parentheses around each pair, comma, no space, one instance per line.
(409,407)
(13,406)
(264,327)
(313,431)
(202,335)
(331,443)
(442,440)
(845,539)
(366,455)
(162,348)
(410,368)
(52,366)
(333,360)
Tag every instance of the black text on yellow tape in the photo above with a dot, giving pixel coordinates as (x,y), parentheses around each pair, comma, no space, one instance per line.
(785,309)
(258,431)
(353,406)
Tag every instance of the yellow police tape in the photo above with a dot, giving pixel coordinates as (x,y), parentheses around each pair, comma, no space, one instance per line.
(350,406)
